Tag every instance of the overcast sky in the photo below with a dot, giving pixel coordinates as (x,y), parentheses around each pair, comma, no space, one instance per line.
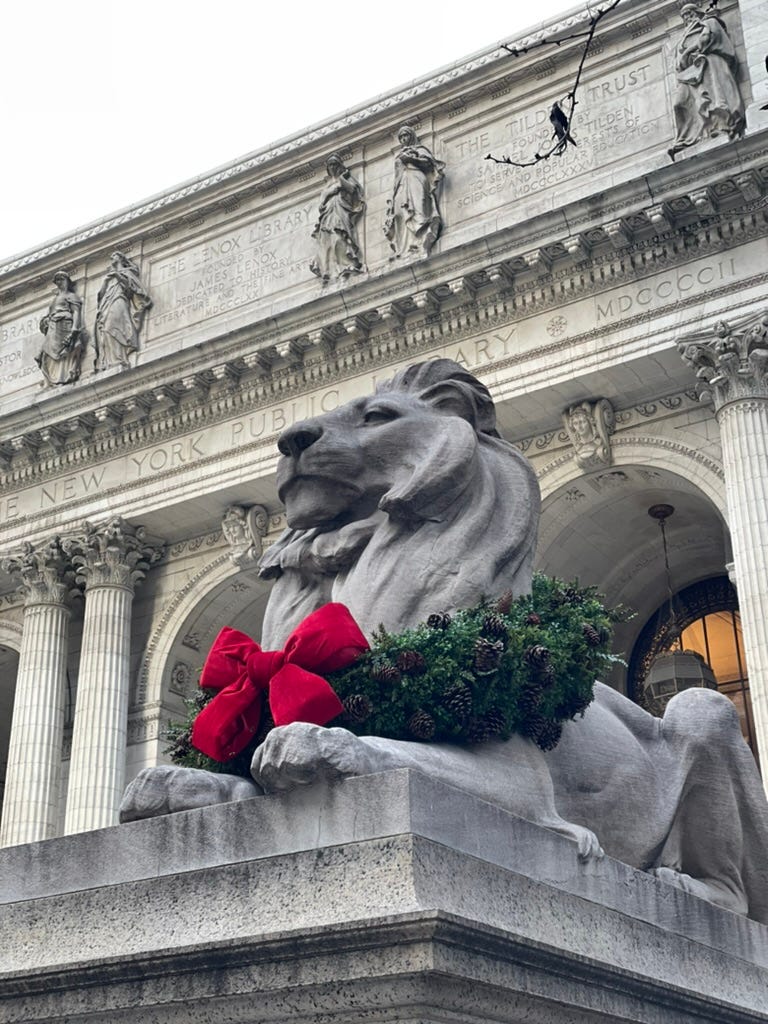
(105,104)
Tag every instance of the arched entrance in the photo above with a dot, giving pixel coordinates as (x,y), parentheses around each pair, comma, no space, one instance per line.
(596,527)
(707,613)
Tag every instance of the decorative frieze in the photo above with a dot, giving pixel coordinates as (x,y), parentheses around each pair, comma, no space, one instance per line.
(398,328)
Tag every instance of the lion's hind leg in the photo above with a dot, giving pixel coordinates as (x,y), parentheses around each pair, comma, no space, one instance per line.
(714,890)
(704,850)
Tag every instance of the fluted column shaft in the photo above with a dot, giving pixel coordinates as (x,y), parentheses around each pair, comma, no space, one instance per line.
(33,776)
(744,433)
(112,560)
(731,363)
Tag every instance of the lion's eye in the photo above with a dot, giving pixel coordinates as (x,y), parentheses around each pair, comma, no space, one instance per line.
(380,414)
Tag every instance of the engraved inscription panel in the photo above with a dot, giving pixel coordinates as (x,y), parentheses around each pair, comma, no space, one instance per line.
(620,113)
(234,268)
(20,341)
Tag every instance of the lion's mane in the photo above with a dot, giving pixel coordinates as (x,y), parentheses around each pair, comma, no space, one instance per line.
(456,524)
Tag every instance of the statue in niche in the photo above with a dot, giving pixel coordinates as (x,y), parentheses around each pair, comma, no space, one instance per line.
(413,221)
(707,101)
(341,207)
(122,305)
(406,502)
(62,352)
(589,426)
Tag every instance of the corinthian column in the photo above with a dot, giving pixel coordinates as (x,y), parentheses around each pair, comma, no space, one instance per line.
(31,803)
(111,560)
(730,366)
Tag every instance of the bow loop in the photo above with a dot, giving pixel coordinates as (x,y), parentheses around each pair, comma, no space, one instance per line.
(241,671)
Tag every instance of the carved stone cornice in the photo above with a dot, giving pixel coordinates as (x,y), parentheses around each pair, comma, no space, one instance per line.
(228,186)
(112,554)
(730,361)
(269,365)
(46,573)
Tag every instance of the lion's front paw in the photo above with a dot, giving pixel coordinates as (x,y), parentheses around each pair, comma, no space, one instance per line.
(588,844)
(297,754)
(167,789)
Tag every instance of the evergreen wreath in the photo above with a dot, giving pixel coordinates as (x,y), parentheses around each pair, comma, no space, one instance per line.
(524,665)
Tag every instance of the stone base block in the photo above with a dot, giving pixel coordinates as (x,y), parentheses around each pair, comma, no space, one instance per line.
(384,898)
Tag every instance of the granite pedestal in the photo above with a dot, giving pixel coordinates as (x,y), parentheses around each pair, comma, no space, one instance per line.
(383,898)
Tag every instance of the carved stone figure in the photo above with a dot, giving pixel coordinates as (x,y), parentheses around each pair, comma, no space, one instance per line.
(589,426)
(62,352)
(122,304)
(413,221)
(707,100)
(341,207)
(408,502)
(244,529)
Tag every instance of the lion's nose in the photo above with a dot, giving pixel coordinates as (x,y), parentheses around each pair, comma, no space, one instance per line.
(299,437)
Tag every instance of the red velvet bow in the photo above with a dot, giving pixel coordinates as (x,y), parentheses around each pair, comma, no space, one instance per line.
(239,669)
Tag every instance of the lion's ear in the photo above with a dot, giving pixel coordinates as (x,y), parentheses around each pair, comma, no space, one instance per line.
(454,398)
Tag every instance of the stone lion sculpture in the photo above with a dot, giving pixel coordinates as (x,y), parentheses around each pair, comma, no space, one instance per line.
(406,502)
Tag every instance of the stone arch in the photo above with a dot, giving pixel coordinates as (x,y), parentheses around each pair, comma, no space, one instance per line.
(10,635)
(648,450)
(595,525)
(201,600)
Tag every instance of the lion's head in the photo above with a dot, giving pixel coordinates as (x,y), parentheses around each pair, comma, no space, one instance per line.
(401,503)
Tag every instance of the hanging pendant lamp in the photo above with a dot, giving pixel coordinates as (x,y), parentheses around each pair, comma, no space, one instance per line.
(674,670)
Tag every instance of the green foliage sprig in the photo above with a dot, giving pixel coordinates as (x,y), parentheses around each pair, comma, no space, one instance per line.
(526,665)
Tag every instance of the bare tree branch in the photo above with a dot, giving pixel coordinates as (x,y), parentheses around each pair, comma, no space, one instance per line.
(562,120)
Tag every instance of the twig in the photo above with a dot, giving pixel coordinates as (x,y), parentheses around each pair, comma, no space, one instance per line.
(559,146)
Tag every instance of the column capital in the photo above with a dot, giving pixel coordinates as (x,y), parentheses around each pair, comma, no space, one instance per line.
(730,360)
(45,572)
(113,553)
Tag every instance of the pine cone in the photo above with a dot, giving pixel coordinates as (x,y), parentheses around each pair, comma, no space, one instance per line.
(537,655)
(494,625)
(533,724)
(487,654)
(528,702)
(477,731)
(421,725)
(548,736)
(439,620)
(458,700)
(505,602)
(180,747)
(545,675)
(358,707)
(591,635)
(572,595)
(411,661)
(532,619)
(495,721)
(384,672)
